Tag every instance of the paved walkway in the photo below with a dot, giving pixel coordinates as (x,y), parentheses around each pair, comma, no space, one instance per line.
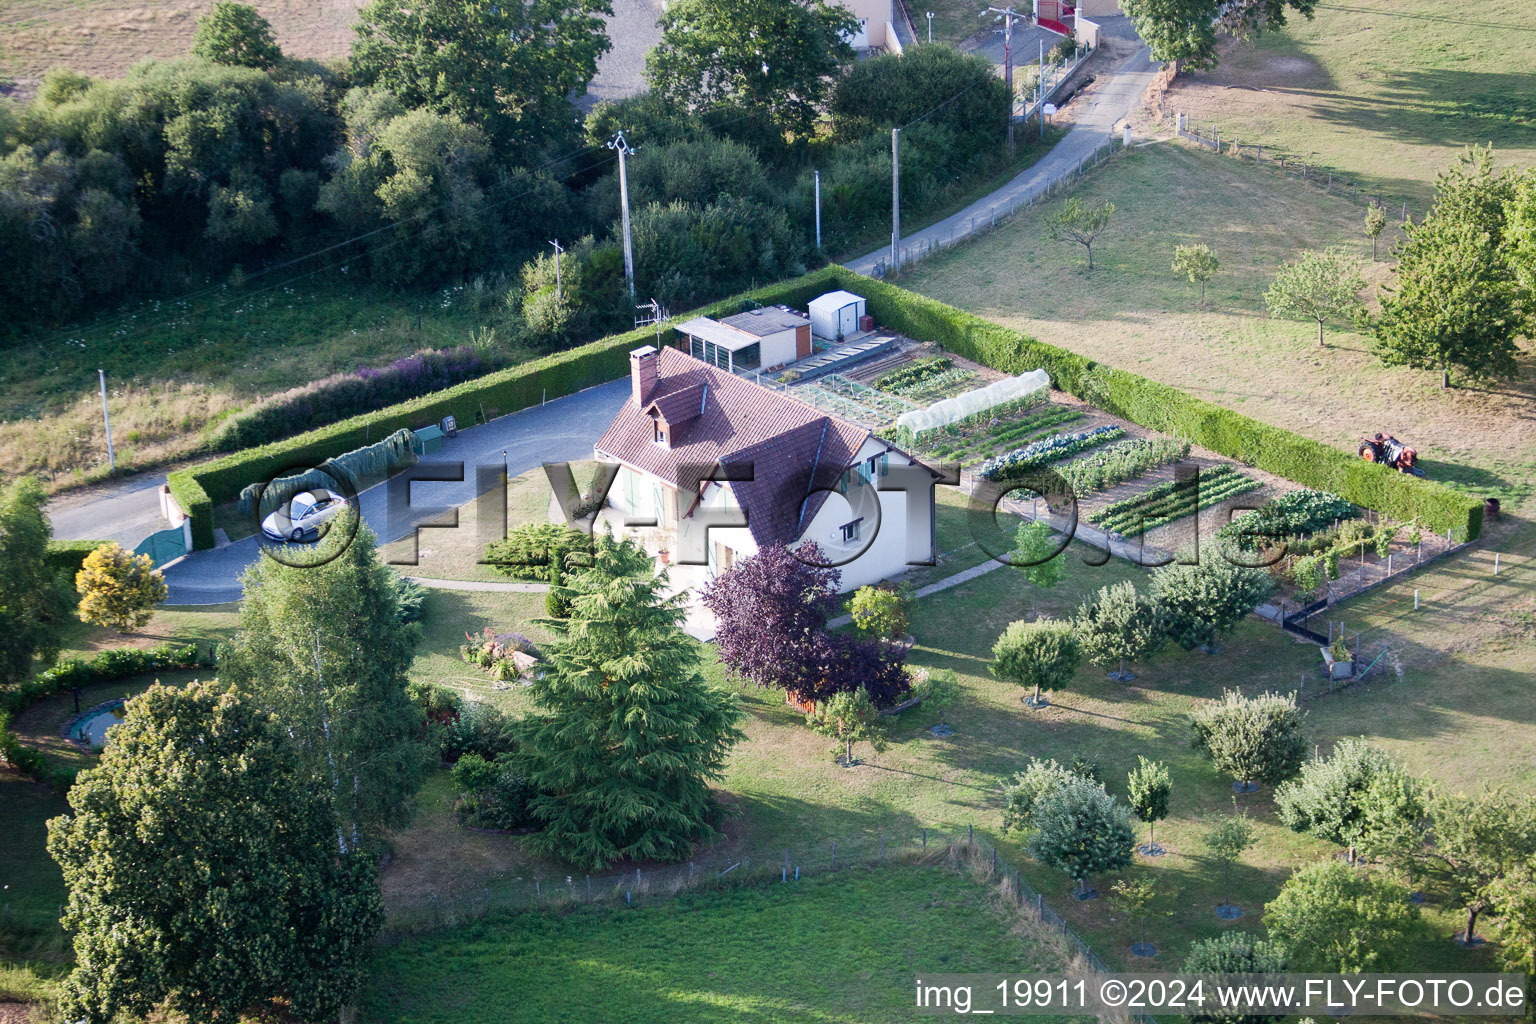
(564,430)
(1114,97)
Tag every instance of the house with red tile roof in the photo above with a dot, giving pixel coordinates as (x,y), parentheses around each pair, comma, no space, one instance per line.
(714,467)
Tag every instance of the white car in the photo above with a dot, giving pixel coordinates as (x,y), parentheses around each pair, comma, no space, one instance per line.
(302,519)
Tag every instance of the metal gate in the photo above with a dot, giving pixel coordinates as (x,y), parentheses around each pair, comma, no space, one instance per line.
(163,546)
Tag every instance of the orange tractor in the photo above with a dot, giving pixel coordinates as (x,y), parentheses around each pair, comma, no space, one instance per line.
(1389,451)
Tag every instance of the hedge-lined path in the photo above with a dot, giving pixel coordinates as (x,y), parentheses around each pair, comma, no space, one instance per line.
(1112,100)
(566,429)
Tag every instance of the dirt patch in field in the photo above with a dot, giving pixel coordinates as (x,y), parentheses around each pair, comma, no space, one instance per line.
(106,37)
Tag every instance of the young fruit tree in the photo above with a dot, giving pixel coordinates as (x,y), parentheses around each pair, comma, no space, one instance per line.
(881,612)
(35,598)
(1119,625)
(1206,601)
(1515,895)
(1332,918)
(1329,798)
(1138,899)
(1252,739)
(849,716)
(1075,222)
(626,735)
(1081,830)
(1196,262)
(118,588)
(1395,821)
(202,873)
(771,613)
(1319,286)
(1025,794)
(1473,842)
(1375,223)
(1234,952)
(1043,655)
(1148,787)
(322,648)
(1225,842)
(1037,555)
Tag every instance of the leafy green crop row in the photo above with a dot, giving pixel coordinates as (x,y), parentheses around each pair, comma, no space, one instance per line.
(899,380)
(1120,462)
(1176,499)
(1047,450)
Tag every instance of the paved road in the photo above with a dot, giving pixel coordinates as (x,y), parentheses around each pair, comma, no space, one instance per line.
(1114,97)
(126,511)
(565,429)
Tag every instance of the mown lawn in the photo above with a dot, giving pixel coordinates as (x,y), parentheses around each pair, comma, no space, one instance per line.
(1384,91)
(841,947)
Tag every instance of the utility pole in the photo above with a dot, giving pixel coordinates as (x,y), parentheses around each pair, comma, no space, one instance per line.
(895,201)
(623,148)
(1008,14)
(106,417)
(559,289)
(818,209)
(1041,110)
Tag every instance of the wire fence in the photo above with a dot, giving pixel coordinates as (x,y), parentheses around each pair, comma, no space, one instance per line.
(563,893)
(1331,181)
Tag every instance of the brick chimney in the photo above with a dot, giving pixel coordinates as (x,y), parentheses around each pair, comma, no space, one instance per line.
(643,375)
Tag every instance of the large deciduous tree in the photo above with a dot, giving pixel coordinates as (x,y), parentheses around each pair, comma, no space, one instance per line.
(35,598)
(1185,30)
(1330,918)
(1252,739)
(1474,841)
(1041,655)
(1458,301)
(235,34)
(778,56)
(1205,601)
(509,66)
(1119,625)
(960,92)
(322,648)
(203,871)
(1320,286)
(626,736)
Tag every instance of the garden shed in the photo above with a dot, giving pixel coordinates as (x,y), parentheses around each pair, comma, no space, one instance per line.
(836,314)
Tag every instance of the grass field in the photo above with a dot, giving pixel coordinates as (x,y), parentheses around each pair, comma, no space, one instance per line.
(843,946)
(174,366)
(1386,91)
(1132,311)
(107,37)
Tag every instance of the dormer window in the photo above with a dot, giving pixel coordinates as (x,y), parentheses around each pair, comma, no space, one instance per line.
(658,432)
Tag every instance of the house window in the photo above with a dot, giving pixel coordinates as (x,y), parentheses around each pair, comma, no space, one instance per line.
(851,531)
(657,434)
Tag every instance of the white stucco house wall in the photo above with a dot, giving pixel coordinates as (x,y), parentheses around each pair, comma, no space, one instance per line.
(867,505)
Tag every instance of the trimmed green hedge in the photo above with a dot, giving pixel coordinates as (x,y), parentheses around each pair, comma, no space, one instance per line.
(1152,405)
(69,555)
(199,488)
(1171,411)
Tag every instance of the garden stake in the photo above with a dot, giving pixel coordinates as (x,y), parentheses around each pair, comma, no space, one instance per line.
(834,855)
(535,894)
(1495,563)
(1415,600)
(589,888)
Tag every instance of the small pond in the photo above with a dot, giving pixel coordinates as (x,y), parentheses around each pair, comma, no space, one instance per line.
(91,727)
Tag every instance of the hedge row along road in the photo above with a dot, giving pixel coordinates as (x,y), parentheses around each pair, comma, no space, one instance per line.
(594,376)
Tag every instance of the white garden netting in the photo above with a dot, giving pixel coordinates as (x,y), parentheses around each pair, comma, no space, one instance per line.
(1012,391)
